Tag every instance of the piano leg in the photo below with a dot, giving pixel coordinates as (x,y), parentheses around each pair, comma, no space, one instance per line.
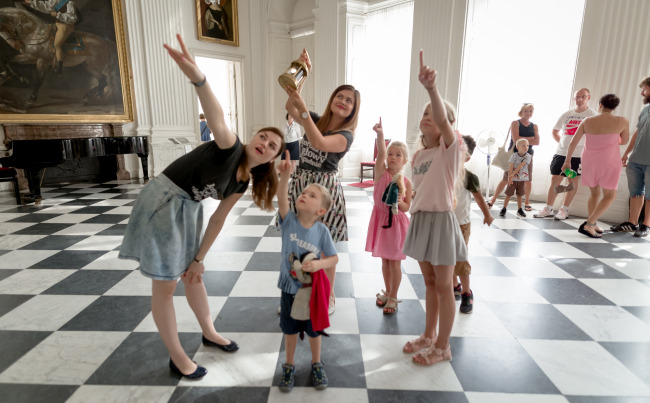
(144,159)
(34,177)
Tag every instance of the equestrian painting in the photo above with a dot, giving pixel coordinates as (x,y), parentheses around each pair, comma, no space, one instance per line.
(63,61)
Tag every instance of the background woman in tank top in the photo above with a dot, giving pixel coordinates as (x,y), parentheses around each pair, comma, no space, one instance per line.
(521,128)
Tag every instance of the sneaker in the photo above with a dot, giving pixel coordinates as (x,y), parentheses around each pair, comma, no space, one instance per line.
(286,380)
(318,376)
(562,214)
(457,292)
(521,213)
(642,232)
(467,303)
(502,213)
(545,212)
(625,227)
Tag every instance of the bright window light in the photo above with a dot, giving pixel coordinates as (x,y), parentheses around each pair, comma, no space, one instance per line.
(381,73)
(518,52)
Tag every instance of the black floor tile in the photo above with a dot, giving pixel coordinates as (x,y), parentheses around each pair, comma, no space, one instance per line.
(55,242)
(111,314)
(265,261)
(88,282)
(497,365)
(261,315)
(14,344)
(568,291)
(604,251)
(586,268)
(208,394)
(536,321)
(42,229)
(20,393)
(409,318)
(68,260)
(217,283)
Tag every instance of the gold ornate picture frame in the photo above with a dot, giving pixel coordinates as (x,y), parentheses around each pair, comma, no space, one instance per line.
(92,83)
(217,21)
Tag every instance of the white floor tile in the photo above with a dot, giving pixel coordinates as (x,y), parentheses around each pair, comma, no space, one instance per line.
(253,365)
(584,368)
(533,267)
(22,259)
(45,312)
(64,358)
(387,367)
(621,292)
(607,323)
(257,284)
(32,282)
(185,318)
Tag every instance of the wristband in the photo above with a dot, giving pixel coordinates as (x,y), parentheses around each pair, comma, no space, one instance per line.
(202,83)
(198,261)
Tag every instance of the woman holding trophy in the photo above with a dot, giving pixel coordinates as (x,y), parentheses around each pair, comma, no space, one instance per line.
(327,139)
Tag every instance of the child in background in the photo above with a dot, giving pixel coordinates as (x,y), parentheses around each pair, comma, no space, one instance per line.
(302,232)
(462,211)
(434,238)
(517,176)
(387,230)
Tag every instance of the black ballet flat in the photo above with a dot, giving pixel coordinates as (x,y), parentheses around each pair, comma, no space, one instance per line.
(229,348)
(199,373)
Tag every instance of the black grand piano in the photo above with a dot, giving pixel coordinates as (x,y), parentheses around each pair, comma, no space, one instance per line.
(34,156)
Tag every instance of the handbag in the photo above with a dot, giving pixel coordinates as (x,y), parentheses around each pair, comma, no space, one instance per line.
(502,157)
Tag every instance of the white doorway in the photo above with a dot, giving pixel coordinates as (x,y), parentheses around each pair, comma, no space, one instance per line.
(224,77)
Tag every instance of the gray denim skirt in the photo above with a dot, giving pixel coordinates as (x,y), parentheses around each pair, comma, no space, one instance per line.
(164,230)
(435,237)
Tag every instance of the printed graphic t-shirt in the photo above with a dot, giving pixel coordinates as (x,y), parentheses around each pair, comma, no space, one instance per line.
(298,240)
(568,125)
(314,159)
(516,159)
(208,171)
(434,172)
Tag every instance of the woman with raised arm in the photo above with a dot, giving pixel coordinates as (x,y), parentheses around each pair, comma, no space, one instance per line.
(327,139)
(164,230)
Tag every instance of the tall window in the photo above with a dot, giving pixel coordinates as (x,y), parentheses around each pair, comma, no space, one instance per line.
(518,52)
(381,74)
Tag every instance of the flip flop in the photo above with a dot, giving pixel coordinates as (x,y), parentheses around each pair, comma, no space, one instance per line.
(528,208)
(583,231)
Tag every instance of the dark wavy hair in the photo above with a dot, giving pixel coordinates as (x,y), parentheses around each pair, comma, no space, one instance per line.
(610,101)
(264,176)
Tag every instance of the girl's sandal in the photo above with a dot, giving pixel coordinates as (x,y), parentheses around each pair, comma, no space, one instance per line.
(391,306)
(432,355)
(382,299)
(418,344)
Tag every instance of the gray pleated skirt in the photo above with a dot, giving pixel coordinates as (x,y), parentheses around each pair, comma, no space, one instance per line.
(164,230)
(435,237)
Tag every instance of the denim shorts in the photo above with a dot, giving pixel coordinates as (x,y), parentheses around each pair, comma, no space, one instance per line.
(288,324)
(638,177)
(164,230)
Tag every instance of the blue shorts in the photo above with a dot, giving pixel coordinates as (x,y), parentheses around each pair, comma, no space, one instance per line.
(638,176)
(288,324)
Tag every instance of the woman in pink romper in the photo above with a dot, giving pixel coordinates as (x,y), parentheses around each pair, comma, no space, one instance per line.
(601,159)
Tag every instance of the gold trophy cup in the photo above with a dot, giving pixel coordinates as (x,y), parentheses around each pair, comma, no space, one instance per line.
(294,75)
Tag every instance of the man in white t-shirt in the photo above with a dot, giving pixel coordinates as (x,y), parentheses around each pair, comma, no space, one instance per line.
(568,124)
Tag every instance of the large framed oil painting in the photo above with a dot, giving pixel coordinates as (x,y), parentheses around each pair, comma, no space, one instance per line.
(63,61)
(217,21)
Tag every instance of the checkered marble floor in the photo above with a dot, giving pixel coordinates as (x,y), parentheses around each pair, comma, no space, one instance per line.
(558,317)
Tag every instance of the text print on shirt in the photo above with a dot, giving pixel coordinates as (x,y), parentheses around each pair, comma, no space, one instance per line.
(303,244)
(208,191)
(572,126)
(422,168)
(311,155)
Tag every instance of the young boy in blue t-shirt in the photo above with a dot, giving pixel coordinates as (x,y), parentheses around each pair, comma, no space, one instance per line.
(302,234)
